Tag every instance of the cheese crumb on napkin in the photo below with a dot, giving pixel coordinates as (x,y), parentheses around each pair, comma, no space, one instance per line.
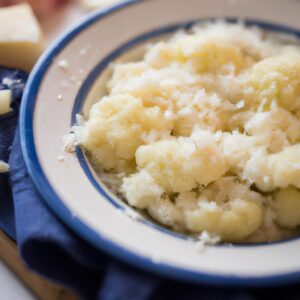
(4,167)
(5,101)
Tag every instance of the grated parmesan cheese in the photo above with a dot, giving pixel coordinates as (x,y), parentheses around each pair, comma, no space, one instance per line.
(69,142)
(64,65)
(206,239)
(60,158)
(205,129)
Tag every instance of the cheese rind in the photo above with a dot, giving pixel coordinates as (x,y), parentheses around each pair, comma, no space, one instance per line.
(21,39)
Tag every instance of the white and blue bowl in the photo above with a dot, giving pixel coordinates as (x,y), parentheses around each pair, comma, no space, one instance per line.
(71,188)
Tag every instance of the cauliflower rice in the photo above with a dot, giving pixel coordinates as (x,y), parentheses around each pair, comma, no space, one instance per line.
(203,132)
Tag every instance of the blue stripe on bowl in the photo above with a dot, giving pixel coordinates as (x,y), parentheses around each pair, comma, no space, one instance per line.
(54,202)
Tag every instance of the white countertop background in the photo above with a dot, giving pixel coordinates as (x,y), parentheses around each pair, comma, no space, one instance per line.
(10,287)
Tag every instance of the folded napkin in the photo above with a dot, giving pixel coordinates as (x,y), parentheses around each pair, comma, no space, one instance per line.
(48,247)
(15,81)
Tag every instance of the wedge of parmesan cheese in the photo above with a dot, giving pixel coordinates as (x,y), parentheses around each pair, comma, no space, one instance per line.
(5,101)
(21,39)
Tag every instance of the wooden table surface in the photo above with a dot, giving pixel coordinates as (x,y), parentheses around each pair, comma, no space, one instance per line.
(39,286)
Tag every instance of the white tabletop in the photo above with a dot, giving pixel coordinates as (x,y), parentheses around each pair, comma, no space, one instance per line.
(11,288)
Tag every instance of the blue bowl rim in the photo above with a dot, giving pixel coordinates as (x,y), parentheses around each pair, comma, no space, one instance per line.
(56,205)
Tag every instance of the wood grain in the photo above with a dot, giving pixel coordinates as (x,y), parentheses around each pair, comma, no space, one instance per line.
(40,287)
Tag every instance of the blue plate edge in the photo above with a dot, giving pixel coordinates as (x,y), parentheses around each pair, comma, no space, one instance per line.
(53,201)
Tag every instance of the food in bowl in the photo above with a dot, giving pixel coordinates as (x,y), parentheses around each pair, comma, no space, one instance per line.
(204,132)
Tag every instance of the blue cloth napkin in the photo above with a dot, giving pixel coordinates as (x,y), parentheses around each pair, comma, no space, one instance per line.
(51,249)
